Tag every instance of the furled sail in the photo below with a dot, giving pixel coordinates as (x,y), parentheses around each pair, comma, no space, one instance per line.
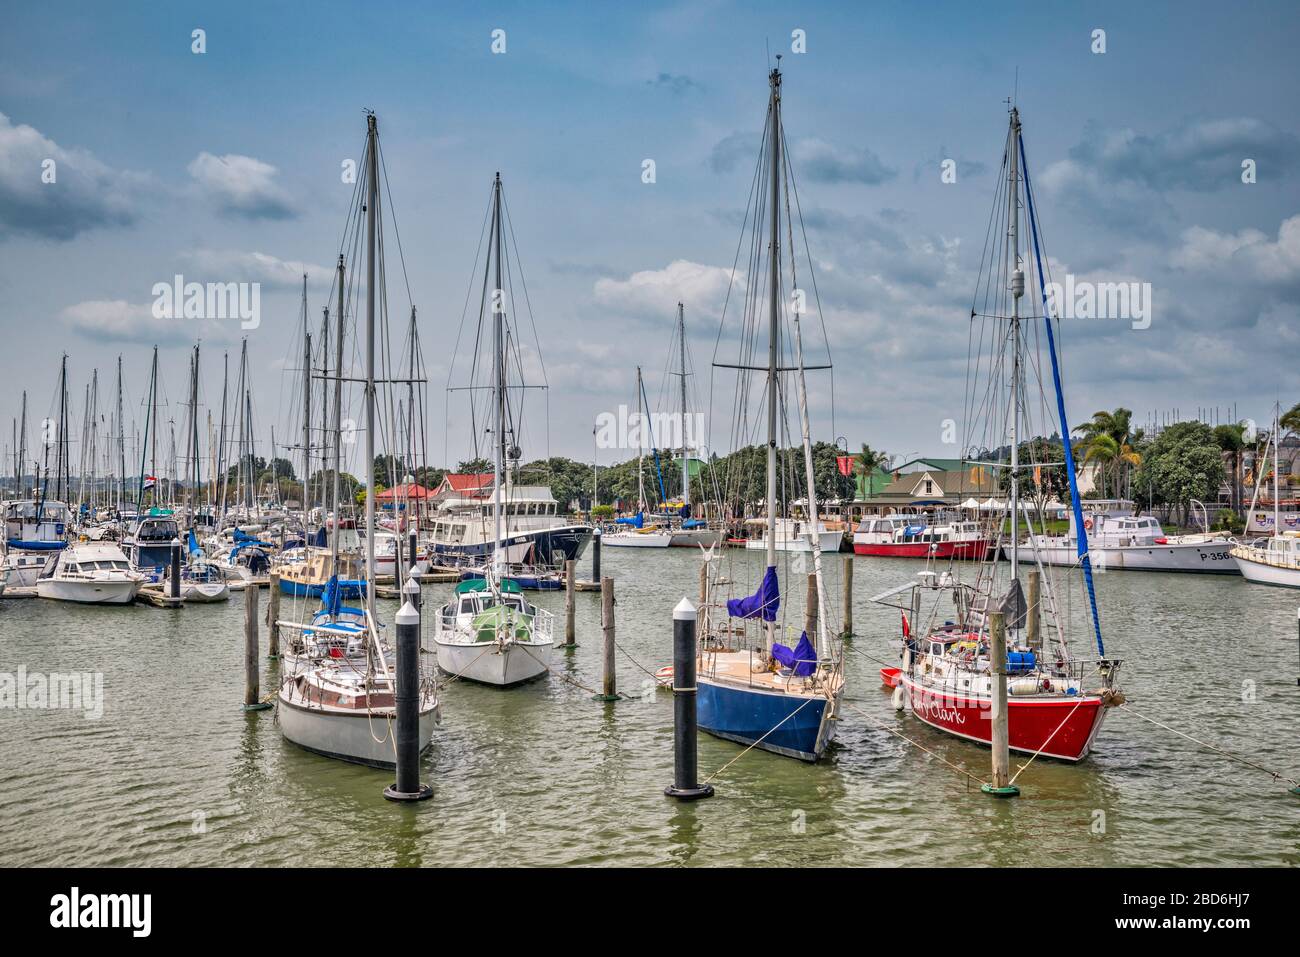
(763,603)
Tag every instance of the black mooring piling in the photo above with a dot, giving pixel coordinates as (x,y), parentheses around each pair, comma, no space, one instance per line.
(407,698)
(411,593)
(595,556)
(412,551)
(685,786)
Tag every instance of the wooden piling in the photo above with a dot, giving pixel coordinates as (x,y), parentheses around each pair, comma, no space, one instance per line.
(273,616)
(1033,632)
(1001,785)
(569,592)
(848,598)
(609,689)
(252,687)
(703,624)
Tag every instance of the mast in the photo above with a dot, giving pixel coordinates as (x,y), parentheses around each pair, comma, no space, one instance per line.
(153,448)
(194,436)
(1017,290)
(1277,458)
(306,409)
(22,445)
(774,318)
(498,383)
(372,199)
(222,469)
(686,462)
(338,421)
(62,483)
(640,446)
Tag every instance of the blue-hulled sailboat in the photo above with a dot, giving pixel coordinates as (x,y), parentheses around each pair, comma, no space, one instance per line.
(751,688)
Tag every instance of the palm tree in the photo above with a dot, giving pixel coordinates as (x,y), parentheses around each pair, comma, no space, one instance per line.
(1291,421)
(869,461)
(1109,440)
(1232,440)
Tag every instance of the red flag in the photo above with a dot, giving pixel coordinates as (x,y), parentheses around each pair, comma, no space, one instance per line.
(907,631)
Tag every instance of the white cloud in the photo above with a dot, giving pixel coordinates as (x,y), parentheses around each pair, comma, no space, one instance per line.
(85,193)
(242,186)
(656,292)
(1250,251)
(232,265)
(116,320)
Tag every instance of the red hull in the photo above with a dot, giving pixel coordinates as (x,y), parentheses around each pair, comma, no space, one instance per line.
(1061,728)
(973,550)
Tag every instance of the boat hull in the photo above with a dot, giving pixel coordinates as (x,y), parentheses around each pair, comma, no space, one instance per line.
(492,664)
(797,726)
(89,592)
(1061,727)
(550,546)
(637,539)
(829,541)
(975,550)
(25,568)
(1264,573)
(1206,558)
(345,737)
(202,592)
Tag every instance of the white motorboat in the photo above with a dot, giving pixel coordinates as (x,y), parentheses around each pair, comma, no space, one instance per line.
(34,530)
(493,635)
(1119,541)
(93,573)
(795,535)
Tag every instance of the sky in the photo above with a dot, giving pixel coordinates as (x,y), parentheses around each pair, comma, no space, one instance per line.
(225,166)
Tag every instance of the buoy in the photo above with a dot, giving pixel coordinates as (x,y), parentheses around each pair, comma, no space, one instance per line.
(900,698)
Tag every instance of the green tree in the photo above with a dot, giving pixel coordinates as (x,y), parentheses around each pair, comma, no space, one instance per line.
(1290,422)
(475,466)
(1109,441)
(1182,463)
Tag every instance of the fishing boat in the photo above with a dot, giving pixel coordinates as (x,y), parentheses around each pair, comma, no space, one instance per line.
(949,676)
(792,535)
(91,573)
(340,702)
(752,689)
(1274,560)
(488,632)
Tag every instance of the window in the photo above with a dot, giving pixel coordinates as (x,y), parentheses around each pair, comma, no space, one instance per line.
(929,487)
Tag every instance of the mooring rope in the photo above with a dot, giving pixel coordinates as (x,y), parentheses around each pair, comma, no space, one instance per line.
(710,778)
(1275,775)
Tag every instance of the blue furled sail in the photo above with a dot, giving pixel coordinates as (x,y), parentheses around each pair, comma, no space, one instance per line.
(319,539)
(636,521)
(694,523)
(1082,538)
(763,603)
(192,544)
(802,661)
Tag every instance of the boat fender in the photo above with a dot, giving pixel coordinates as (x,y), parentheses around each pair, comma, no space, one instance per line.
(1087,524)
(900,698)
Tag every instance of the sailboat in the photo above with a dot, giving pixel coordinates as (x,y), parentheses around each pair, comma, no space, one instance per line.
(489,632)
(1056,700)
(1274,560)
(751,688)
(341,701)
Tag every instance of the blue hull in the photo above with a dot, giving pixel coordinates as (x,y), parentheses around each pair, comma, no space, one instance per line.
(549,547)
(746,715)
(299,590)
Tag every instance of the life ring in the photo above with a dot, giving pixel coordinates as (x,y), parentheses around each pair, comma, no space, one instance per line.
(1087,525)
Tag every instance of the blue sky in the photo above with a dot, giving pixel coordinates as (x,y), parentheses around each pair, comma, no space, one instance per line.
(1135,152)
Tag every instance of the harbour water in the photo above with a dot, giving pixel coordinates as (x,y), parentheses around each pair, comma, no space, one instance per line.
(175,773)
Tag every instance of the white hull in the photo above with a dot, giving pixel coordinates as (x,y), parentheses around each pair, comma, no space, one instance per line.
(495,664)
(830,542)
(1263,573)
(205,591)
(89,592)
(637,539)
(1202,557)
(24,568)
(346,737)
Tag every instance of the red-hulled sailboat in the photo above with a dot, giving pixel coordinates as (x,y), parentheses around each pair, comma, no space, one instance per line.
(1055,701)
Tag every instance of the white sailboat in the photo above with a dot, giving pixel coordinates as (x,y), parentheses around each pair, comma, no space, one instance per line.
(488,632)
(1274,560)
(342,704)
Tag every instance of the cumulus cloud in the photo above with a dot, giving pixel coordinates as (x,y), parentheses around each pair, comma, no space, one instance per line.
(1249,252)
(116,320)
(235,265)
(656,292)
(242,186)
(85,193)
(1199,155)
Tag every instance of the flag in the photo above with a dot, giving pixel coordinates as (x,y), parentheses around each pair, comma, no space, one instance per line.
(907,631)
(149,481)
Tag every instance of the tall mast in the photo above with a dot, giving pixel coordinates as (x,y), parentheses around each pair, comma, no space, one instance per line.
(372,199)
(222,469)
(774,315)
(1017,290)
(498,381)
(194,435)
(1277,458)
(686,462)
(337,431)
(153,448)
(22,446)
(306,409)
(640,445)
(62,483)
(121,441)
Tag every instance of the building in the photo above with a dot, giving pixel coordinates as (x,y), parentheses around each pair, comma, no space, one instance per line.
(924,484)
